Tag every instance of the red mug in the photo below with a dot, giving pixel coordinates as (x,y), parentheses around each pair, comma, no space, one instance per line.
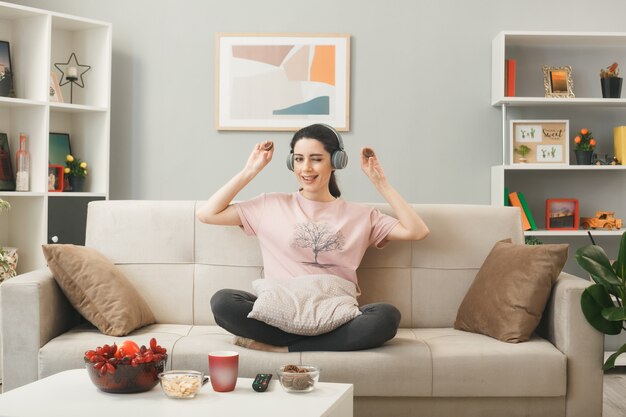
(223,370)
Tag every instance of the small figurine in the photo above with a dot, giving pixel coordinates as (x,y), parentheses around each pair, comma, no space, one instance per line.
(603,220)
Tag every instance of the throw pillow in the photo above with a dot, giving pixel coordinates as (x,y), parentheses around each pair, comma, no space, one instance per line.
(97,289)
(307,305)
(510,291)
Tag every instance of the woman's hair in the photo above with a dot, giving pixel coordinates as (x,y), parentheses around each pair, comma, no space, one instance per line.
(328,138)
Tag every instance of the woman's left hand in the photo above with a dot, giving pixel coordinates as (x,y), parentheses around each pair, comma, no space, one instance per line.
(371,166)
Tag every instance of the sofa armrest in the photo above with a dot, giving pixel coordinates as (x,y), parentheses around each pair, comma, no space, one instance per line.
(34,310)
(565,326)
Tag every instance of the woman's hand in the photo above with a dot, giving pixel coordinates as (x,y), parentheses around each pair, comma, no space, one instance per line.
(372,167)
(261,156)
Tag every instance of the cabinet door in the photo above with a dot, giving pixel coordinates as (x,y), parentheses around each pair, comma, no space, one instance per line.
(67,219)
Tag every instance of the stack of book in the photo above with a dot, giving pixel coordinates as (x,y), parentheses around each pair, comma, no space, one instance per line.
(517,199)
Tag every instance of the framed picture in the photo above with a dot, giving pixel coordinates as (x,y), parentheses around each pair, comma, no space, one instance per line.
(278,82)
(7,179)
(55,94)
(539,142)
(562,214)
(6,71)
(55,178)
(557,82)
(58,149)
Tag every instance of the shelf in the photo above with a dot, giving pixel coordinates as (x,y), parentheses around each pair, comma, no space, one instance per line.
(551,101)
(19,102)
(75,108)
(581,232)
(547,167)
(72,194)
(20,194)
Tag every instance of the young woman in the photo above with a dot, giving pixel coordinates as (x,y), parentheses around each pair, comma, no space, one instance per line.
(281,221)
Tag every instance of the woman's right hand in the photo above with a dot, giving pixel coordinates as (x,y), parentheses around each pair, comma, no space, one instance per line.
(261,156)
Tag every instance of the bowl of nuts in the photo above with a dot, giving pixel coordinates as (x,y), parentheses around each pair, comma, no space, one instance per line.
(298,378)
(181,384)
(126,368)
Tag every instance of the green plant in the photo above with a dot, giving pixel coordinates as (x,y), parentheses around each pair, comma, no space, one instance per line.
(611,71)
(603,302)
(584,141)
(523,151)
(532,240)
(74,167)
(4,205)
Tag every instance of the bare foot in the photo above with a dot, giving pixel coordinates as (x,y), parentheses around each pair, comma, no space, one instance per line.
(253,344)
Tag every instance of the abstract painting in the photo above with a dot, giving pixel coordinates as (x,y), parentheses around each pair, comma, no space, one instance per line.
(282,82)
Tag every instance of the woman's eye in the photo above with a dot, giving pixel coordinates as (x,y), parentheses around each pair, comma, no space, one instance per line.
(298,159)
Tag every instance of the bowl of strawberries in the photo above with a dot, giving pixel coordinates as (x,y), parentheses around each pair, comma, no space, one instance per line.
(126,368)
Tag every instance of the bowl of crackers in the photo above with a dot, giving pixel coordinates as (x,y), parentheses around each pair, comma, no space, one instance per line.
(181,384)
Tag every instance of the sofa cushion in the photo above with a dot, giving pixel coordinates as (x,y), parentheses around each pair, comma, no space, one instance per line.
(474,365)
(67,350)
(507,298)
(97,289)
(308,305)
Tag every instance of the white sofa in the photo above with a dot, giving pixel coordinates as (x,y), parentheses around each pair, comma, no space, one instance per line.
(428,369)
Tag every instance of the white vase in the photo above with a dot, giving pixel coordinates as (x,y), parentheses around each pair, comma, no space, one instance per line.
(8,263)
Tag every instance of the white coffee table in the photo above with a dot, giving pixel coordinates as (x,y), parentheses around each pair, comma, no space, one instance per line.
(71,393)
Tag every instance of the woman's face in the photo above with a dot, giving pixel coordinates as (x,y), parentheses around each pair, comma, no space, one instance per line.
(311,164)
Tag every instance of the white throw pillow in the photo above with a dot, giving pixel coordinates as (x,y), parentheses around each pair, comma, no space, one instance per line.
(307,305)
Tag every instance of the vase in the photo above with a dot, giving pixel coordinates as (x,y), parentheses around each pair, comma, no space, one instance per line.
(583,157)
(611,87)
(8,263)
(77,184)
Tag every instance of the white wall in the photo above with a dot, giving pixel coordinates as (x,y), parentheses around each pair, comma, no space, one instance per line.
(420,89)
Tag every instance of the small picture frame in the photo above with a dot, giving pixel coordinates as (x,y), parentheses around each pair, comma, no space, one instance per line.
(55,178)
(562,214)
(55,95)
(7,178)
(6,70)
(557,82)
(539,142)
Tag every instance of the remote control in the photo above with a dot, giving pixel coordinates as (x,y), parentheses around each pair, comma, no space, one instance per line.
(261,382)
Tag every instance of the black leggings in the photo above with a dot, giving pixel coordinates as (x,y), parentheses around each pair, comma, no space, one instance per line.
(378,324)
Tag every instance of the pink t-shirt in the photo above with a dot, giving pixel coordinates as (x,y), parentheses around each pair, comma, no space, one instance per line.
(304,237)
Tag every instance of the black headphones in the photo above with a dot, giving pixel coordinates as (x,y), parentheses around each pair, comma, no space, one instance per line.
(339,158)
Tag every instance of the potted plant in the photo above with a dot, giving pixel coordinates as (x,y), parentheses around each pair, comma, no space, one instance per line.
(523,150)
(76,171)
(584,144)
(8,256)
(611,82)
(603,302)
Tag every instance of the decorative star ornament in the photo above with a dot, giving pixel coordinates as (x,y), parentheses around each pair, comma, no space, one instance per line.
(81,70)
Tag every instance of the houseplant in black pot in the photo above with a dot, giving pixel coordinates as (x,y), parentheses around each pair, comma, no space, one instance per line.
(584,144)
(603,302)
(611,82)
(76,171)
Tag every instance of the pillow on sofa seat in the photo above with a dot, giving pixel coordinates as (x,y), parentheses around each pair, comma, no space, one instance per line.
(307,305)
(507,298)
(97,289)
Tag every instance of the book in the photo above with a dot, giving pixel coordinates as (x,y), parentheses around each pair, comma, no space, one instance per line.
(529,215)
(507,202)
(509,87)
(515,201)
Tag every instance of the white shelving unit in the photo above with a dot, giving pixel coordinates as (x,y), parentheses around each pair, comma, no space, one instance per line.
(596,187)
(38,39)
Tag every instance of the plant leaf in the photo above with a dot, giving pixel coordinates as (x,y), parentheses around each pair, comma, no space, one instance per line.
(610,362)
(593,259)
(593,300)
(620,264)
(614,313)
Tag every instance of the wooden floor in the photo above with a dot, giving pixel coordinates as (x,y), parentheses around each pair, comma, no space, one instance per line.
(614,404)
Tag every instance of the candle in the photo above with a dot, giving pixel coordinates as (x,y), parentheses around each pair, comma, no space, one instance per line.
(72,72)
